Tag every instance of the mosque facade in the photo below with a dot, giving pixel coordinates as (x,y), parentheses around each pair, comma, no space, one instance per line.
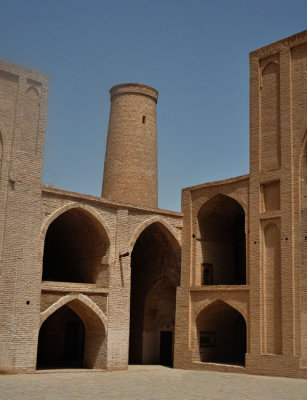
(103,282)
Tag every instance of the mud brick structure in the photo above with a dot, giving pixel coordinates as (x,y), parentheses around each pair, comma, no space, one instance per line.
(100,282)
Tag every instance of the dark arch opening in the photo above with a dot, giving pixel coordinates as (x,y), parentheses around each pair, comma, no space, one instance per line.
(75,245)
(155,274)
(61,340)
(221,334)
(222,229)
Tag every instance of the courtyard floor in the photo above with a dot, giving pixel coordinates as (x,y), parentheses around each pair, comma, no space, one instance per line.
(149,383)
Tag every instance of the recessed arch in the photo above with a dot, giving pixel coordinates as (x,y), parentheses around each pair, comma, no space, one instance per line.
(76,246)
(201,203)
(221,243)
(269,68)
(55,214)
(155,267)
(34,90)
(149,222)
(72,334)
(69,298)
(303,173)
(1,148)
(270,117)
(221,334)
(3,142)
(272,290)
(236,305)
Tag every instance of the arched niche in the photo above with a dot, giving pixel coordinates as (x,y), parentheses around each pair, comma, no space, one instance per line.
(222,247)
(72,337)
(1,154)
(75,248)
(270,117)
(30,123)
(155,268)
(303,247)
(303,168)
(221,334)
(272,290)
(1,147)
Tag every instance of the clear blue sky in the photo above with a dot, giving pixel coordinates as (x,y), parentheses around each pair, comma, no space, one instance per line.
(194,52)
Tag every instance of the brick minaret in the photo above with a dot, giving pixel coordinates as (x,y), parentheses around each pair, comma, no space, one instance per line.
(131,166)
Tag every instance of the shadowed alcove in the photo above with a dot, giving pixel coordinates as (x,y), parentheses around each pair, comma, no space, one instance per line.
(75,245)
(71,337)
(221,334)
(155,274)
(222,236)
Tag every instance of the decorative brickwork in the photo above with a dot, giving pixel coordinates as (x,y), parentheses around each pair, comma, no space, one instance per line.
(97,282)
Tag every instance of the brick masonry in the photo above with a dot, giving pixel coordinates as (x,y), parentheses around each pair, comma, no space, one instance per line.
(242,240)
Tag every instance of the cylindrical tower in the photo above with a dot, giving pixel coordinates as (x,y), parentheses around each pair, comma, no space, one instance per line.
(131,162)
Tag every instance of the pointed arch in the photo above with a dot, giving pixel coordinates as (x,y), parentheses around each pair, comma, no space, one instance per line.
(55,214)
(3,142)
(303,173)
(240,308)
(234,198)
(175,235)
(269,67)
(69,298)
(270,117)
(222,244)
(75,246)
(1,148)
(73,330)
(155,258)
(221,334)
(33,89)
(272,290)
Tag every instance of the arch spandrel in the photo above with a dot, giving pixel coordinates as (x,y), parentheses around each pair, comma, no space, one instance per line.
(92,212)
(220,334)
(141,228)
(82,299)
(240,307)
(201,203)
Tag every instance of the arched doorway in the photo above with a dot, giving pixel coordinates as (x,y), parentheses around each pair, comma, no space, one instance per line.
(155,274)
(222,229)
(61,340)
(221,332)
(72,337)
(75,245)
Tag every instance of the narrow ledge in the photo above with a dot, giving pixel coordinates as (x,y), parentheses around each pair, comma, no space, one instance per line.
(220,288)
(69,287)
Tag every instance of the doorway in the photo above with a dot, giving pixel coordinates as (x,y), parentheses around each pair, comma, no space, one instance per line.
(166,348)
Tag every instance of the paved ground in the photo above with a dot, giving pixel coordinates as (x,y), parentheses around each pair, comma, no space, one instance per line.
(149,383)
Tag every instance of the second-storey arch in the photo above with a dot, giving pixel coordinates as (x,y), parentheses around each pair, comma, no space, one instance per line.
(76,248)
(222,242)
